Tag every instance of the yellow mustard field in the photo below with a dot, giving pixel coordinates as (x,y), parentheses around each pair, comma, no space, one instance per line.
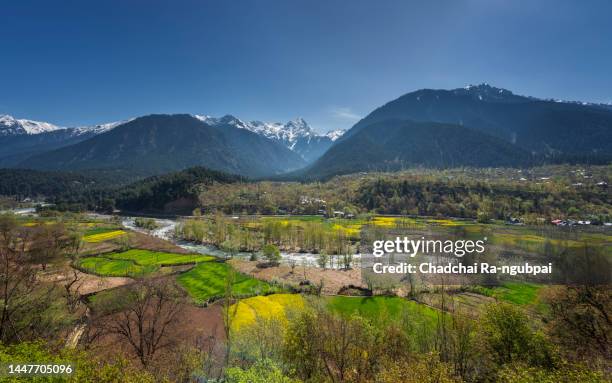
(104,236)
(275,306)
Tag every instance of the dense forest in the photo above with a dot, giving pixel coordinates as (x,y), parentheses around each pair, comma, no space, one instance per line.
(534,194)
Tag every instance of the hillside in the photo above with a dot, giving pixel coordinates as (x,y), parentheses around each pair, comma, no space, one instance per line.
(397,144)
(158,144)
(545,127)
(170,192)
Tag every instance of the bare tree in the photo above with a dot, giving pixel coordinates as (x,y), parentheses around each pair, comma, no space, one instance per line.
(24,298)
(230,279)
(48,244)
(144,324)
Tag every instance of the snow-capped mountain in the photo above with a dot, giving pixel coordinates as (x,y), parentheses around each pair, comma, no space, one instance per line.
(20,138)
(335,134)
(296,135)
(98,129)
(10,126)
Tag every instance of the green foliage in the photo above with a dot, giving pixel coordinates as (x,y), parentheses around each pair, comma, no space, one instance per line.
(263,371)
(145,223)
(271,253)
(87,369)
(521,373)
(508,337)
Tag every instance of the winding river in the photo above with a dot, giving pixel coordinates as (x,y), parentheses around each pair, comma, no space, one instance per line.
(167,227)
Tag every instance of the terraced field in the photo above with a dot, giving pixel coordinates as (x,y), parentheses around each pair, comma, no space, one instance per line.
(102,234)
(136,262)
(246,311)
(208,280)
(378,309)
(147,257)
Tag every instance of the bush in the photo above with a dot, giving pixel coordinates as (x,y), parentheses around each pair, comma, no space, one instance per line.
(271,253)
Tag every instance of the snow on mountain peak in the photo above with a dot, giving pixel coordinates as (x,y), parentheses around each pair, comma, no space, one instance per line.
(288,132)
(10,126)
(296,134)
(335,134)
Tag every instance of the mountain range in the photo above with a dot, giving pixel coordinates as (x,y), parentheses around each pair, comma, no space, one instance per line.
(158,144)
(296,135)
(21,138)
(476,126)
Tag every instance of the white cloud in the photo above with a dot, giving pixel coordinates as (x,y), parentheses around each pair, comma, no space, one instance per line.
(344,113)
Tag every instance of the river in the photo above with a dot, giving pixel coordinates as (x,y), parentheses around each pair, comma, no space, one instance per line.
(166,229)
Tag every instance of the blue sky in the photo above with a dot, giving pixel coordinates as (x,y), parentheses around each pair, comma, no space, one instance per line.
(328,61)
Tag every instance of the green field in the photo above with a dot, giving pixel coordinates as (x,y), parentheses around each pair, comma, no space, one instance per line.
(207,280)
(519,293)
(136,262)
(381,309)
(115,267)
(100,230)
(147,257)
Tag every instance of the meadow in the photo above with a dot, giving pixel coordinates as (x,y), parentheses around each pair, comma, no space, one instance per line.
(207,281)
(136,262)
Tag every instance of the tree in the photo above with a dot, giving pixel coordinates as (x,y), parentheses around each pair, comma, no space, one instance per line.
(144,324)
(48,243)
(322,260)
(17,276)
(263,371)
(26,301)
(271,253)
(508,338)
(580,319)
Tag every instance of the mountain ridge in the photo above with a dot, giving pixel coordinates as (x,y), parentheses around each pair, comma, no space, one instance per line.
(163,143)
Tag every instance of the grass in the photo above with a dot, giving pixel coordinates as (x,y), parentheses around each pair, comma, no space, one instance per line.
(207,281)
(378,310)
(137,262)
(382,309)
(104,236)
(148,257)
(519,293)
(115,267)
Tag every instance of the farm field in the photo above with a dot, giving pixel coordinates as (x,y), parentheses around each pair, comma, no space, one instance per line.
(147,257)
(208,280)
(103,235)
(380,309)
(247,311)
(136,262)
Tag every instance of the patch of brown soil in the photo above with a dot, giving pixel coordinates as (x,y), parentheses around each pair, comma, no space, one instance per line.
(87,283)
(194,326)
(333,280)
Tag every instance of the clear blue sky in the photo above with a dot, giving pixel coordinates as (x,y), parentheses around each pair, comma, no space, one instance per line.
(84,62)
